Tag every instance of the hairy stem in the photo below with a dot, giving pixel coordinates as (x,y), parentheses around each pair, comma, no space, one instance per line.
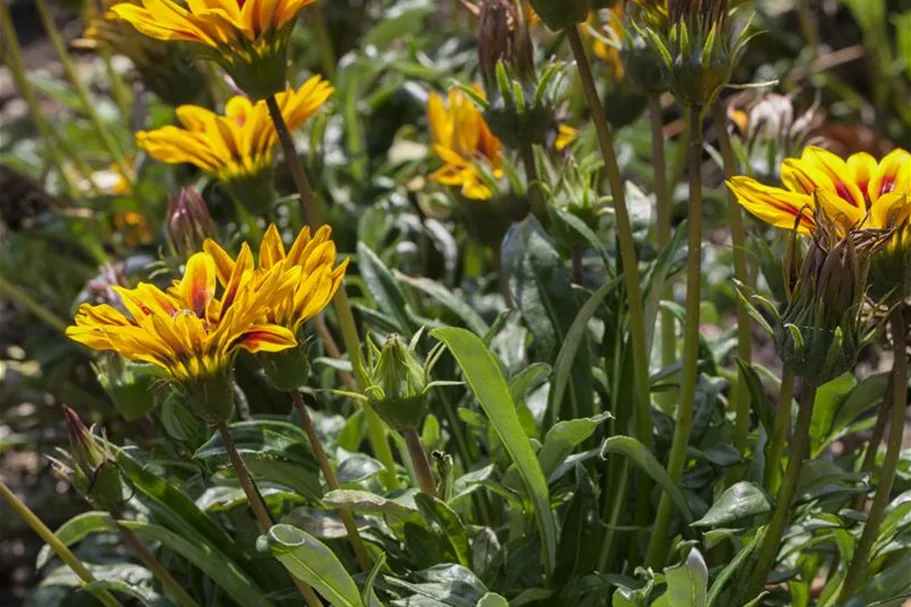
(59,548)
(858,568)
(657,548)
(258,504)
(375,431)
(420,462)
(535,193)
(772,474)
(354,536)
(740,396)
(769,548)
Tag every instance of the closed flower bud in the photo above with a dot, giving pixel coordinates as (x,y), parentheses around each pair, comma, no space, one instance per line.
(286,370)
(824,324)
(211,396)
(561,14)
(130,386)
(642,64)
(398,384)
(188,222)
(89,465)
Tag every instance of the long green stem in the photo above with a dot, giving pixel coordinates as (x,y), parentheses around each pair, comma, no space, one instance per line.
(663,234)
(858,568)
(420,462)
(627,243)
(258,504)
(13,58)
(48,317)
(770,544)
(152,564)
(326,51)
(740,396)
(375,430)
(613,508)
(657,547)
(354,536)
(101,129)
(59,548)
(772,474)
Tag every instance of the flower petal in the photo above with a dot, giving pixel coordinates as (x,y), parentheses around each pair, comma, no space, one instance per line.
(197,287)
(775,206)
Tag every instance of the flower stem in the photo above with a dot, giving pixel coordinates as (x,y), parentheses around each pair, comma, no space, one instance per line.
(657,548)
(858,568)
(258,504)
(152,564)
(663,233)
(627,243)
(879,429)
(354,536)
(59,548)
(48,317)
(420,462)
(770,543)
(740,396)
(101,129)
(613,508)
(326,51)
(772,474)
(13,58)
(535,193)
(314,219)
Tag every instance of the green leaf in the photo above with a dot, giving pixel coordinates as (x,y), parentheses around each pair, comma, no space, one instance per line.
(484,377)
(575,546)
(687,583)
(828,401)
(740,501)
(275,450)
(385,290)
(364,501)
(311,561)
(865,395)
(449,522)
(448,300)
(580,228)
(222,571)
(135,592)
(886,586)
(492,599)
(563,438)
(765,411)
(543,292)
(731,568)
(358,468)
(564,364)
(526,379)
(75,530)
(642,457)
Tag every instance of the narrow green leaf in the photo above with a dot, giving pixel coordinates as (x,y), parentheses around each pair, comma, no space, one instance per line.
(564,437)
(449,522)
(313,562)
(385,290)
(75,530)
(492,599)
(643,458)
(731,568)
(483,374)
(447,299)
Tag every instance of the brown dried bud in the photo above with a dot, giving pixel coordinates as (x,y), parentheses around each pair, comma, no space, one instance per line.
(188,222)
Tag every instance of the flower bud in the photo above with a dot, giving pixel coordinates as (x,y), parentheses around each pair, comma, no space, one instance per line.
(89,465)
(890,268)
(211,397)
(824,326)
(642,64)
(188,222)
(129,385)
(561,14)
(398,384)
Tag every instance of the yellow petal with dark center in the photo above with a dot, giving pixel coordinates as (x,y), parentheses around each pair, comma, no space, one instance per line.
(198,284)
(775,206)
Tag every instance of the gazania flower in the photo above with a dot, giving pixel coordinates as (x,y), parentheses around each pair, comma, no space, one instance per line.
(248,38)
(470,153)
(189,332)
(607,38)
(313,256)
(238,144)
(858,192)
(313,259)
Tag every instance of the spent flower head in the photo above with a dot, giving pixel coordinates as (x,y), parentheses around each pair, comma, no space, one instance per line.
(248,38)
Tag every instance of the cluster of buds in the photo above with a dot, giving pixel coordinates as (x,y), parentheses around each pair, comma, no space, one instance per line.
(89,466)
(188,222)
(825,320)
(699,45)
(519,105)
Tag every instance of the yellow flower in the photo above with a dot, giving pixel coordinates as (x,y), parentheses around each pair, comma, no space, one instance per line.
(463,141)
(249,38)
(312,258)
(132,227)
(239,144)
(607,38)
(566,136)
(858,192)
(187,331)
